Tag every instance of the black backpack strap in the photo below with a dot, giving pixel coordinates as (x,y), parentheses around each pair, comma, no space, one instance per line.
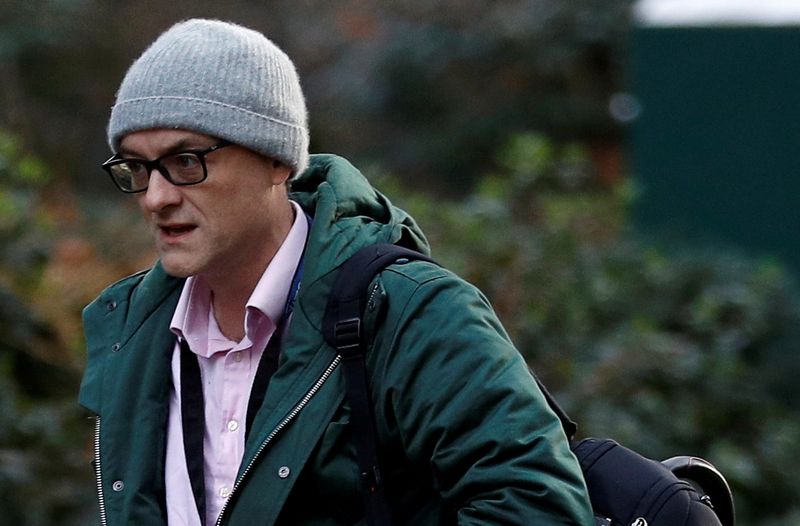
(342,328)
(342,322)
(569,425)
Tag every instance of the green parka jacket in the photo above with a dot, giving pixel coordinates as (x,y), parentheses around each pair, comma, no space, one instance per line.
(465,436)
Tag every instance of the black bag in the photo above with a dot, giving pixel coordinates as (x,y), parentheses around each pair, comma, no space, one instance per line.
(628,489)
(625,488)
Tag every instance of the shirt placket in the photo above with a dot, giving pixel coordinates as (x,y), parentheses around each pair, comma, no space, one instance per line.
(230,427)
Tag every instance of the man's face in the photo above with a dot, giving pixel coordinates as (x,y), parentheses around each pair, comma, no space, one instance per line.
(217,227)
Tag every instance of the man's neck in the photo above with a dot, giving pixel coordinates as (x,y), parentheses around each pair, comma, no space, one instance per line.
(231,289)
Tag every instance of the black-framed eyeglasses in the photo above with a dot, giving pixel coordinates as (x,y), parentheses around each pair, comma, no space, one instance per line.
(182,168)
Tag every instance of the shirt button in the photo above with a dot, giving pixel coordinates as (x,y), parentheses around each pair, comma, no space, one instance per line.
(233,425)
(224,492)
(237,357)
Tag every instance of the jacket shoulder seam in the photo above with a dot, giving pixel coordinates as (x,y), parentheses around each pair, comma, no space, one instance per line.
(432,271)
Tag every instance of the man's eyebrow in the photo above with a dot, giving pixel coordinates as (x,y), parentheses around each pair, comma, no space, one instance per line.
(186,143)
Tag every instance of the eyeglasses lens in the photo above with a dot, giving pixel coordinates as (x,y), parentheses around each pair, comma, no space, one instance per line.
(131,176)
(182,169)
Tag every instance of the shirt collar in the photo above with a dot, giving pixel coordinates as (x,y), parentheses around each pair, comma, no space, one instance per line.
(193,320)
(272,290)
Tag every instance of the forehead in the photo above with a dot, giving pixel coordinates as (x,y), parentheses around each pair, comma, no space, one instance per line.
(157,141)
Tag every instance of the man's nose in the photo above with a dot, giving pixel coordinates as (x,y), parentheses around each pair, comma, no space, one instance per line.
(160,193)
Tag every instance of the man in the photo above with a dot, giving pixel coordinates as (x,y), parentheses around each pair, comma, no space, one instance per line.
(217,399)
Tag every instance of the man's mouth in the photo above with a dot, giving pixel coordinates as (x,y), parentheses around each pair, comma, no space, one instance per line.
(175,230)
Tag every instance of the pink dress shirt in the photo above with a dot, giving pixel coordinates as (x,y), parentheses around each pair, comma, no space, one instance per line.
(227,369)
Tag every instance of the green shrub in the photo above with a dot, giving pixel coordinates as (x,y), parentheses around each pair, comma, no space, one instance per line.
(44,471)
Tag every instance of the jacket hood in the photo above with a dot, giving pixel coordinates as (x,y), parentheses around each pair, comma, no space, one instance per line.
(348,214)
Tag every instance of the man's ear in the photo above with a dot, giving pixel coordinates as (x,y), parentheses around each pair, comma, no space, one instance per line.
(279,173)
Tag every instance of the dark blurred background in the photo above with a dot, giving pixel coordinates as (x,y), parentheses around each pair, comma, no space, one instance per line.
(620,178)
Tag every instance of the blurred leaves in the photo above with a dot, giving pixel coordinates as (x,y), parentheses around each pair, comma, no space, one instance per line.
(423,88)
(43,475)
(669,350)
(21,178)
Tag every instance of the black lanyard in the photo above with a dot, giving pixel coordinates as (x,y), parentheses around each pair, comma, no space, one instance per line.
(193,415)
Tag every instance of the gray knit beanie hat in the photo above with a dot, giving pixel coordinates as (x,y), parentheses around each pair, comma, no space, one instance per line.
(219,79)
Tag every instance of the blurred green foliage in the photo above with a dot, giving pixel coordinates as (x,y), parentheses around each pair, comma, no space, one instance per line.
(668,351)
(23,235)
(43,468)
(425,88)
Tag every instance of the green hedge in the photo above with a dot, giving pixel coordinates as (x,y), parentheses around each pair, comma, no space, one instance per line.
(45,477)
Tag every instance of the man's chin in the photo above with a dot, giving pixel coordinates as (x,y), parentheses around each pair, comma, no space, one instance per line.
(177,270)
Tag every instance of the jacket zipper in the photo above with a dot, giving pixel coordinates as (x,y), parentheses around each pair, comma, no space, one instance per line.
(371,301)
(283,423)
(98,473)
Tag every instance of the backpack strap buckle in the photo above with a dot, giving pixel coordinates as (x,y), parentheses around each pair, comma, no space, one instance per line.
(347,337)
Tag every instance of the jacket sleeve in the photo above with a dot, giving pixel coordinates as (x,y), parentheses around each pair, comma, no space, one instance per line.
(465,406)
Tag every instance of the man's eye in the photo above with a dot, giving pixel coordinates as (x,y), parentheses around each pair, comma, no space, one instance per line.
(186,161)
(135,167)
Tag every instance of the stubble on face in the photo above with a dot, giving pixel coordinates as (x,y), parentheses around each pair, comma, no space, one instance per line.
(227,227)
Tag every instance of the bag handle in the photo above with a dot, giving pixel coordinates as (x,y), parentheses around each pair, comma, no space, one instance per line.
(712,483)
